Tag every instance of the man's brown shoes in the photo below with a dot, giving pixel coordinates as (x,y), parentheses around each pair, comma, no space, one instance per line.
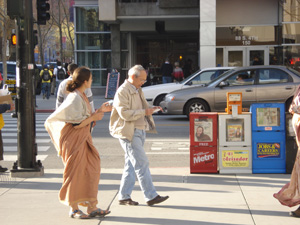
(127,202)
(158,199)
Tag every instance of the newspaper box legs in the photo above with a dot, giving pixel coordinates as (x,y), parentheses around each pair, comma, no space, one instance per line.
(203,142)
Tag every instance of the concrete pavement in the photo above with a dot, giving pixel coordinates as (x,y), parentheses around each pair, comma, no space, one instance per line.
(210,199)
(194,199)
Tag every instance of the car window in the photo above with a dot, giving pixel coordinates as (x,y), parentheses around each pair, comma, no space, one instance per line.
(245,77)
(205,77)
(271,76)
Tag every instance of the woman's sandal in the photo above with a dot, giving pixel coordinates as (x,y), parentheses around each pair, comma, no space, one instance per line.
(99,212)
(295,213)
(78,214)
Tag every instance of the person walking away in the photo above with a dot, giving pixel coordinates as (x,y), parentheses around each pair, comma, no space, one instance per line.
(166,71)
(60,75)
(178,73)
(62,92)
(129,120)
(46,76)
(69,129)
(3,109)
(289,195)
(53,81)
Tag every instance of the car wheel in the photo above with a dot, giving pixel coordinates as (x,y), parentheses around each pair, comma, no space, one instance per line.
(196,105)
(158,100)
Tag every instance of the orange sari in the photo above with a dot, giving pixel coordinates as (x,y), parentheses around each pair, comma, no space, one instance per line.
(81,159)
(289,195)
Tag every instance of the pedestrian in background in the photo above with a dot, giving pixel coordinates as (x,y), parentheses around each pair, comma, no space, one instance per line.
(53,81)
(3,109)
(46,76)
(62,92)
(178,73)
(69,129)
(166,71)
(130,119)
(289,195)
(60,75)
(1,81)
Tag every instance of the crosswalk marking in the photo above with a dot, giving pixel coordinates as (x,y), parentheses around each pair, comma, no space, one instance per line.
(15,141)
(15,148)
(10,140)
(12,158)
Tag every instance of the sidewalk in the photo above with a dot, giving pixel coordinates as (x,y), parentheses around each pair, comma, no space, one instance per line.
(194,199)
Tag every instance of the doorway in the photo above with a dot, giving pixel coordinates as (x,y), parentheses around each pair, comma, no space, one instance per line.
(246,56)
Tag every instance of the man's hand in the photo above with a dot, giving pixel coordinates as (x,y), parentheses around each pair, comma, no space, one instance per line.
(152,110)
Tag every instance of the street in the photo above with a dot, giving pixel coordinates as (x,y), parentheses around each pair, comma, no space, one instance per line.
(168,148)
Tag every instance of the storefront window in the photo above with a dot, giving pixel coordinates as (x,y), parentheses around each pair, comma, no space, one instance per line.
(246,36)
(292,56)
(97,41)
(291,33)
(275,56)
(291,11)
(93,43)
(95,61)
(87,19)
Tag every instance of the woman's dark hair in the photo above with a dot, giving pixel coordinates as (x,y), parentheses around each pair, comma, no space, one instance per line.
(80,75)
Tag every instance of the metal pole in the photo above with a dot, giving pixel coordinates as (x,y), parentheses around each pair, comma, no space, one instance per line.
(25,102)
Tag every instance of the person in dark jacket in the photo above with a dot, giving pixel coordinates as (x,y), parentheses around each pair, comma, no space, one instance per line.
(166,71)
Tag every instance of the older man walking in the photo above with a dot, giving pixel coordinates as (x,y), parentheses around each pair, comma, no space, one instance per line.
(130,119)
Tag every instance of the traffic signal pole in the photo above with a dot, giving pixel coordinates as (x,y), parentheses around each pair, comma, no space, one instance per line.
(26,165)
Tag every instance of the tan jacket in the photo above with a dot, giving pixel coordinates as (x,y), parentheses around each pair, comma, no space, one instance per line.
(125,112)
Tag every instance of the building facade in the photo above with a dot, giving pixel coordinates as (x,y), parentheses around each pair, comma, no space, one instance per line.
(196,33)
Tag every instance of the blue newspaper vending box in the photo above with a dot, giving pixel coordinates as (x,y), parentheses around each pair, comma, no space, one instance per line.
(268,138)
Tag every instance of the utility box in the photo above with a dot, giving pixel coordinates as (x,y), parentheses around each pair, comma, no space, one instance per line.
(268,137)
(204,142)
(235,155)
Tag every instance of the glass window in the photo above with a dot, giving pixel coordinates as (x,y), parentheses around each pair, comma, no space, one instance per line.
(292,57)
(271,76)
(93,41)
(246,77)
(291,33)
(291,11)
(240,35)
(99,77)
(275,56)
(87,19)
(202,78)
(94,60)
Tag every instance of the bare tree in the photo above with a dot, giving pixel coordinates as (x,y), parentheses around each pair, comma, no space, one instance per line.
(5,25)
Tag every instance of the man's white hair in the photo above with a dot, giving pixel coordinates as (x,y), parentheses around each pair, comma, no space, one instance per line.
(136,70)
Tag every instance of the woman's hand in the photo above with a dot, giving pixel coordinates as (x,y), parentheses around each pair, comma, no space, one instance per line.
(98,115)
(105,107)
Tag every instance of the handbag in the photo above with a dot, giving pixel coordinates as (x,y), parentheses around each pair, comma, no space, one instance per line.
(4,90)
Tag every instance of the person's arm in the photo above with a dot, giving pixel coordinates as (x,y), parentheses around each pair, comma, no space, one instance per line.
(4,108)
(60,97)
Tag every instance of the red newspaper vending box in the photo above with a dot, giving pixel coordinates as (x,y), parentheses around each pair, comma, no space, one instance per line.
(203,142)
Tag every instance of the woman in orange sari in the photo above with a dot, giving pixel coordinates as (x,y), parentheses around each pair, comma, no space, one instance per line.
(289,195)
(69,128)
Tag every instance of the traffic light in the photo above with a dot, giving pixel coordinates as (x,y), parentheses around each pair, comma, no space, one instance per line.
(42,11)
(13,39)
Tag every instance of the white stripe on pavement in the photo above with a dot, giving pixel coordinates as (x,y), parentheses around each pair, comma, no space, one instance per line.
(13,158)
(15,148)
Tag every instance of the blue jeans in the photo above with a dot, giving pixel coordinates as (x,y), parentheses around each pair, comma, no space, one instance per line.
(166,80)
(136,163)
(46,89)
(57,82)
